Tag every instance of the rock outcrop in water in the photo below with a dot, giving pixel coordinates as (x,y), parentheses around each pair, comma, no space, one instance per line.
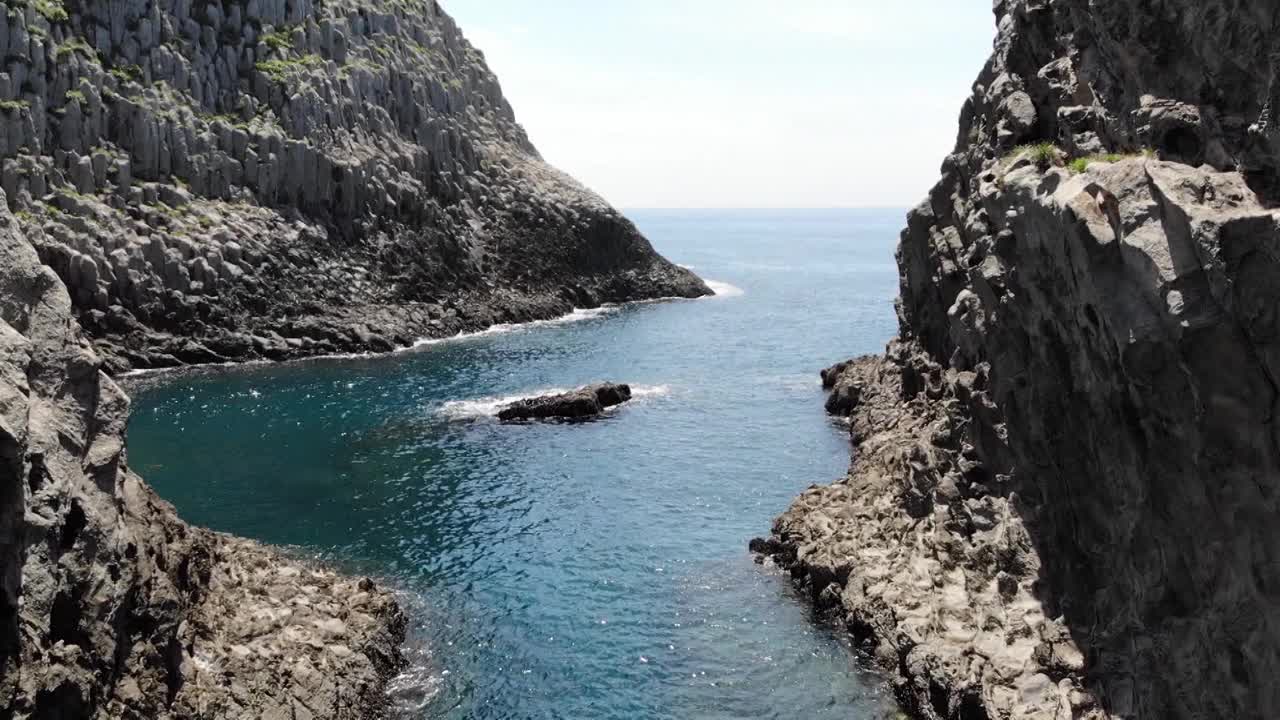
(266,179)
(111,606)
(585,402)
(1063,497)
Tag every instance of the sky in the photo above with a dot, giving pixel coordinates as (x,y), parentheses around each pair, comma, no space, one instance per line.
(738,103)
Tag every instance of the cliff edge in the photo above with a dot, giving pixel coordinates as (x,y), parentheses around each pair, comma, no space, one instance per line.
(1063,496)
(221,181)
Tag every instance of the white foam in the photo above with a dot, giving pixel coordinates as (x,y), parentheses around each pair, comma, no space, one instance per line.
(648,391)
(577,315)
(687,267)
(723,289)
(488,407)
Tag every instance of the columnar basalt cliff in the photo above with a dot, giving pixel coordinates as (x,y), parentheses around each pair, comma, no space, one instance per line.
(260,178)
(1063,496)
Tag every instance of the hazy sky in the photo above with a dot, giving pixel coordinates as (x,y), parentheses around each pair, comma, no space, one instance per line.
(738,103)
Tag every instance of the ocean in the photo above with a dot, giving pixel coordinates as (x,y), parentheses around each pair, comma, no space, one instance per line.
(554,570)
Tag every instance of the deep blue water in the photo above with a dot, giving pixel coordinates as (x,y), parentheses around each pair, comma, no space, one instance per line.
(596,570)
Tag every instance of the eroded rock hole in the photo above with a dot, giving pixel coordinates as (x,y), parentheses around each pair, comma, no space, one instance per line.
(35,476)
(971,707)
(173,678)
(1181,144)
(72,525)
(64,620)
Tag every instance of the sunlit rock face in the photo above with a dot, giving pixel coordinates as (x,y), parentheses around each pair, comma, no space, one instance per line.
(1063,495)
(222,181)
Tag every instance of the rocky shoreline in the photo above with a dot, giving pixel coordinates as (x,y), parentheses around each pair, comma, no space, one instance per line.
(111,605)
(1066,476)
(924,557)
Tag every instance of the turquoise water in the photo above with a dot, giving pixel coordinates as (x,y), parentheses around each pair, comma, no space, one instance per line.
(596,570)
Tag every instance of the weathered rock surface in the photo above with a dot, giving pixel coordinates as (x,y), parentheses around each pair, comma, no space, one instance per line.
(1063,497)
(112,607)
(585,402)
(268,179)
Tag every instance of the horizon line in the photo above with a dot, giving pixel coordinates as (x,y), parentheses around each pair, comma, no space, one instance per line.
(903,208)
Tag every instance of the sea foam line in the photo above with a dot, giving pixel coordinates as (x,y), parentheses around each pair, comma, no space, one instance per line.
(488,407)
(576,315)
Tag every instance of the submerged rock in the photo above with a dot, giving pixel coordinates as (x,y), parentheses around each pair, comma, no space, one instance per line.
(1066,484)
(584,402)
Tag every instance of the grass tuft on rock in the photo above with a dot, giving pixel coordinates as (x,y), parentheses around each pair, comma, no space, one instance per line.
(51,10)
(279,70)
(1043,154)
(1080,164)
(281,40)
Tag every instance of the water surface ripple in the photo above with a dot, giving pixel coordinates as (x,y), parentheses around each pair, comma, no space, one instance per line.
(596,570)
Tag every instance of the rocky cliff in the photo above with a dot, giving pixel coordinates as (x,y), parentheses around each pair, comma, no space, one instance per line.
(1063,496)
(231,180)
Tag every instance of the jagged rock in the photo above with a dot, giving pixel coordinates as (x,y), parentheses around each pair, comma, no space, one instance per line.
(1063,501)
(110,606)
(584,402)
(845,391)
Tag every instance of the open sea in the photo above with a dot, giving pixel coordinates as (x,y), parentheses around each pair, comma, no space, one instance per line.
(590,570)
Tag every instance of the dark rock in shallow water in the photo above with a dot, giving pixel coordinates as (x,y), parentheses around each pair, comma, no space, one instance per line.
(584,402)
(845,390)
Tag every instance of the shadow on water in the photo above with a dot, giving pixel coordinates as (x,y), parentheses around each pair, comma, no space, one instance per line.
(593,569)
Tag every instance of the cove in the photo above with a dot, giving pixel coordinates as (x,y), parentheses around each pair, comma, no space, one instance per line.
(593,570)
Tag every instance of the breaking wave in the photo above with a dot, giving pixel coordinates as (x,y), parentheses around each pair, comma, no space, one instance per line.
(723,289)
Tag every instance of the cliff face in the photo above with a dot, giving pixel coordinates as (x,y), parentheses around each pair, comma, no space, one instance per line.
(1063,498)
(230,180)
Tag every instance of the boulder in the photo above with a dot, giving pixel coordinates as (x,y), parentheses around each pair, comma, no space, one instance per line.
(585,402)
